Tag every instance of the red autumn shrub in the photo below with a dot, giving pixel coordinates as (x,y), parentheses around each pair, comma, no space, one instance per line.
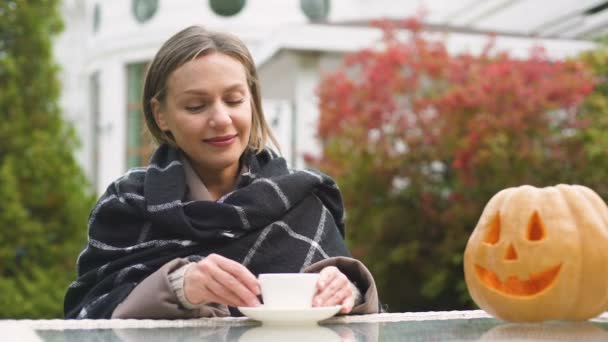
(420,139)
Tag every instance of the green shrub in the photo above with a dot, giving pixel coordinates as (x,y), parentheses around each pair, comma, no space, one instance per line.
(44,196)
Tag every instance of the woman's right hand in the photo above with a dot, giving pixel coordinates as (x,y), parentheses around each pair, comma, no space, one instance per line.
(217,279)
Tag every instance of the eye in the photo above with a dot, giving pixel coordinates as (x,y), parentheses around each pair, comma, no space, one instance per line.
(234,103)
(493,233)
(536,228)
(197,108)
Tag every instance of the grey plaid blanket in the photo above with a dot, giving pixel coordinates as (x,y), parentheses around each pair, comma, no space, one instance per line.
(276,220)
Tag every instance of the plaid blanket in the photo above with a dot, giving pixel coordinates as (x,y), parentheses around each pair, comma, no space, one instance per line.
(276,220)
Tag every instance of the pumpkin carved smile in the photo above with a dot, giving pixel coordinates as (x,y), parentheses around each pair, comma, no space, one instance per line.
(513,286)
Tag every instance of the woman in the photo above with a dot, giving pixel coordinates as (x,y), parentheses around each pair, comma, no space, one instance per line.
(186,236)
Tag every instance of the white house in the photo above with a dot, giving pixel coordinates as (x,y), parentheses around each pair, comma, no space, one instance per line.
(107,43)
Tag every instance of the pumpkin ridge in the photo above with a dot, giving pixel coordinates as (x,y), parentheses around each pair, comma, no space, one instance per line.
(591,199)
(596,202)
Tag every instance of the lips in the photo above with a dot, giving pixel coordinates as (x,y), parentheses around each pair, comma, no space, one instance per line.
(223,140)
(536,283)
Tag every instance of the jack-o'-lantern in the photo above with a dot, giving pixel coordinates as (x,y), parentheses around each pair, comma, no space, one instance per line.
(540,254)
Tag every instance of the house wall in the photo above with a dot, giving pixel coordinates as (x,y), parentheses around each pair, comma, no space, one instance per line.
(291,54)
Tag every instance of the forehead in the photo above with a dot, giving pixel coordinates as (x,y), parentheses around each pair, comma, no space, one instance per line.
(208,73)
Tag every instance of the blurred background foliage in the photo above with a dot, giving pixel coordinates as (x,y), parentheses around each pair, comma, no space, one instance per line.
(419,140)
(44,196)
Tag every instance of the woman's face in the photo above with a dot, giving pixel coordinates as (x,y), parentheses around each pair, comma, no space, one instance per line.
(207,109)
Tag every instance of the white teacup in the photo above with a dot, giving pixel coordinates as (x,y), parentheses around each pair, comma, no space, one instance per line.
(288,290)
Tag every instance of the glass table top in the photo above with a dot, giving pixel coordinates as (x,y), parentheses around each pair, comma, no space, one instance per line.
(446,326)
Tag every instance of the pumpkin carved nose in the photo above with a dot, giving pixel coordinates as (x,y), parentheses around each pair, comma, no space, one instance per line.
(511,253)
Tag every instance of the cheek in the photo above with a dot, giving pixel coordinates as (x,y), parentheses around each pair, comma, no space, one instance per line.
(188,125)
(244,120)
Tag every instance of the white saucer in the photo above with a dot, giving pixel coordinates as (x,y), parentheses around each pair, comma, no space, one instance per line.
(289,316)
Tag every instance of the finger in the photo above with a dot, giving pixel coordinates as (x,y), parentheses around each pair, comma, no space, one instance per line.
(326,276)
(202,287)
(224,285)
(338,283)
(218,289)
(347,304)
(339,297)
(239,272)
(233,288)
(219,294)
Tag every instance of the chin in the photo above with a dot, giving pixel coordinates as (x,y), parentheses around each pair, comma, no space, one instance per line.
(223,162)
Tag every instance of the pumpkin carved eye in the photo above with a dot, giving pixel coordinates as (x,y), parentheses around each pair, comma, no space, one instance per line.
(493,233)
(536,228)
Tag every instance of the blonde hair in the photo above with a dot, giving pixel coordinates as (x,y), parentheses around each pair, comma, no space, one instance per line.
(191,43)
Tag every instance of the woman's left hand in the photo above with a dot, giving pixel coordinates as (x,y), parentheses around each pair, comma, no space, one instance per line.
(334,288)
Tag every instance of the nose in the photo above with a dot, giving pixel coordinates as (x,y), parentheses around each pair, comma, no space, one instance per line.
(511,253)
(220,116)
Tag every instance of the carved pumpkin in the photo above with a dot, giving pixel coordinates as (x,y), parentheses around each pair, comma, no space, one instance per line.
(540,254)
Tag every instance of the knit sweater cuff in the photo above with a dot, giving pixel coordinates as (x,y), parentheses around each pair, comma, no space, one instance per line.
(358,299)
(177,281)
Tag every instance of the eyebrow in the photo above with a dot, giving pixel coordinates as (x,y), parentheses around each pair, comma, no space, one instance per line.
(234,87)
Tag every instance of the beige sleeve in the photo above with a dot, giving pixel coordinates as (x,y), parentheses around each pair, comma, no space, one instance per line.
(154,298)
(358,274)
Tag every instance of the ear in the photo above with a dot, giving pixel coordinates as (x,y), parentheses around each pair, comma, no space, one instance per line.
(159,115)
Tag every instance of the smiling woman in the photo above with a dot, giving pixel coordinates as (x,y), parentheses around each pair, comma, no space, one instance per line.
(187,235)
(208,118)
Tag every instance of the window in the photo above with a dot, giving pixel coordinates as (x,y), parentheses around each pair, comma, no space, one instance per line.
(144,10)
(96,17)
(315,10)
(139,142)
(94,127)
(226,8)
